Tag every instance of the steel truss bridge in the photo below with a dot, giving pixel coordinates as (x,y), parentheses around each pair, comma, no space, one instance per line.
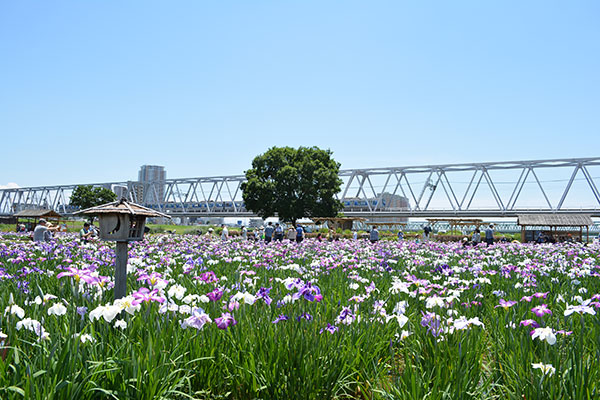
(491,189)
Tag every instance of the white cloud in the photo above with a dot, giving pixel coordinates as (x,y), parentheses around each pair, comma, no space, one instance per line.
(10,185)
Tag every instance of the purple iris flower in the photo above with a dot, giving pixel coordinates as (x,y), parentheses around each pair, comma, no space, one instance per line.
(443,269)
(82,311)
(371,288)
(310,292)
(541,310)
(263,293)
(208,277)
(24,286)
(305,316)
(225,321)
(432,322)
(281,317)
(330,328)
(215,295)
(529,322)
(197,320)
(346,316)
(294,284)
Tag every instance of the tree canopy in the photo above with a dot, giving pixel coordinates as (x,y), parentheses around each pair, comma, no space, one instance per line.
(86,196)
(293,183)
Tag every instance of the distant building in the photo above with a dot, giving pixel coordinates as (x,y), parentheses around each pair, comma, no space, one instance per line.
(152,184)
(384,201)
(392,202)
(387,201)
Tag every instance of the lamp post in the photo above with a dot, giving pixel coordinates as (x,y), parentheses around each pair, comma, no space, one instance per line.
(121,222)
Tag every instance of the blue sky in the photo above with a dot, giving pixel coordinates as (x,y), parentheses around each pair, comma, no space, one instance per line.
(89,91)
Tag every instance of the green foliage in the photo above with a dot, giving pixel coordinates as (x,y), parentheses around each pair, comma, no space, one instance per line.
(373,357)
(86,196)
(293,183)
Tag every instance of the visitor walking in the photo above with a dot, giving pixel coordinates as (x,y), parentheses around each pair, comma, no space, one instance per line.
(374,235)
(291,234)
(299,233)
(426,232)
(489,234)
(278,232)
(244,233)
(269,232)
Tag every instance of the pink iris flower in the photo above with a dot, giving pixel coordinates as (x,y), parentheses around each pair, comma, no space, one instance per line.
(83,274)
(541,310)
(506,304)
(152,279)
(146,295)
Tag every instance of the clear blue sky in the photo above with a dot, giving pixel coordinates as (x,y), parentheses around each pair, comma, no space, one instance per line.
(89,91)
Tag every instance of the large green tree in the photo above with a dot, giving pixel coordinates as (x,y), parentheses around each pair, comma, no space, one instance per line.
(293,183)
(86,196)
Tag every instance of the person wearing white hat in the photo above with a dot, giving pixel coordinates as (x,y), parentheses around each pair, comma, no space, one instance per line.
(224,232)
(42,232)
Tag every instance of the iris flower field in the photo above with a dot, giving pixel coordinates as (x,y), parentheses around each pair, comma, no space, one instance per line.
(212,319)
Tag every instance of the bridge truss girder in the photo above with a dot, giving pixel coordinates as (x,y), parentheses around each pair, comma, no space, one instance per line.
(431,191)
(436,179)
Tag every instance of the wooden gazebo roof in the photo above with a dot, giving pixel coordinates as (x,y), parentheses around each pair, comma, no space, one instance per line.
(554,220)
(122,207)
(40,213)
